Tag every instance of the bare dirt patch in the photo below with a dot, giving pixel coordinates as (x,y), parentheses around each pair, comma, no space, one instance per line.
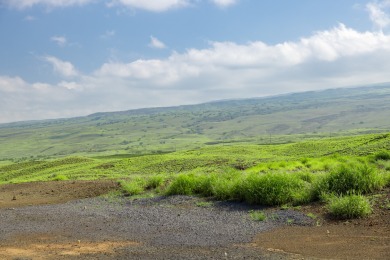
(328,242)
(366,238)
(40,247)
(41,193)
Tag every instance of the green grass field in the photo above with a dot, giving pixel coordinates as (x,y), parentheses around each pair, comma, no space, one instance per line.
(331,146)
(335,170)
(306,156)
(317,155)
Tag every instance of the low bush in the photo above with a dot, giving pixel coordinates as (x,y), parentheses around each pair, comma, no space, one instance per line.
(351,178)
(183,184)
(265,189)
(155,181)
(60,177)
(190,184)
(350,206)
(382,155)
(133,187)
(274,189)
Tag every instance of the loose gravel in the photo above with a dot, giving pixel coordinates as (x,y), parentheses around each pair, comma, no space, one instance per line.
(182,227)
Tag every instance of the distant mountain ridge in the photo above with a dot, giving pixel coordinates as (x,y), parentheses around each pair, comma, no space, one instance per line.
(280,118)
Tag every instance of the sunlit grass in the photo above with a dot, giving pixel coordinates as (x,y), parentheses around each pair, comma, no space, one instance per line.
(287,174)
(349,206)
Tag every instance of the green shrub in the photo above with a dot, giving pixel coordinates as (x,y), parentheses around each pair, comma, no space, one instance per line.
(181,185)
(220,185)
(387,178)
(133,187)
(224,188)
(350,206)
(225,185)
(382,155)
(351,178)
(306,176)
(155,181)
(60,177)
(189,184)
(274,189)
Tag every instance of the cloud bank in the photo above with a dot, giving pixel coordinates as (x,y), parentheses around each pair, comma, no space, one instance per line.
(337,57)
(224,3)
(23,4)
(148,5)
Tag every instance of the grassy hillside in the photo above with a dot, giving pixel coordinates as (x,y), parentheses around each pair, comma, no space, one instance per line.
(315,156)
(280,119)
(346,173)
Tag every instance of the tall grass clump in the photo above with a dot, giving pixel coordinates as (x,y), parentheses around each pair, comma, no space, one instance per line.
(134,187)
(191,184)
(351,178)
(265,189)
(274,189)
(350,206)
(221,185)
(382,155)
(60,177)
(155,181)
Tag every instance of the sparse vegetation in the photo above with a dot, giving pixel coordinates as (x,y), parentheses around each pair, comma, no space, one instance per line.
(133,187)
(349,206)
(204,204)
(257,215)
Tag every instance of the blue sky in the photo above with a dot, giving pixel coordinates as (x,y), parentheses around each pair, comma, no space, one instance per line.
(64,58)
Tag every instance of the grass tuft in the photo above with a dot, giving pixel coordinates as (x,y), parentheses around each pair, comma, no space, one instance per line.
(382,155)
(257,215)
(60,177)
(351,178)
(350,206)
(133,187)
(275,189)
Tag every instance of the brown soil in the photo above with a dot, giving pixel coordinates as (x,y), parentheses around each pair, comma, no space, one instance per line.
(101,231)
(366,238)
(39,247)
(42,193)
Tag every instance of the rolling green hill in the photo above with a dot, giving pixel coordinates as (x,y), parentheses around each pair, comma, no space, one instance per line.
(309,155)
(278,119)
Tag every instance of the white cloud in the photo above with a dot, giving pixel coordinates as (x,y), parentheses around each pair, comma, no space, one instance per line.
(22,4)
(333,58)
(64,68)
(337,57)
(148,5)
(70,85)
(20,100)
(378,14)
(156,43)
(60,40)
(224,3)
(152,5)
(108,34)
(11,84)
